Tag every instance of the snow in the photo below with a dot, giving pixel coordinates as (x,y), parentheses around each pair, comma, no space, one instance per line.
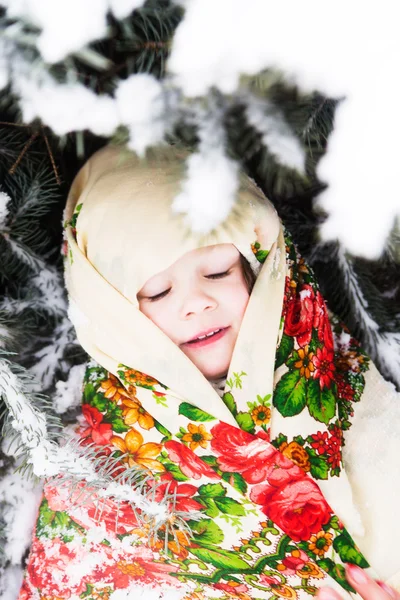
(141,106)
(4,200)
(208,192)
(68,26)
(10,583)
(21,498)
(305,294)
(276,134)
(68,393)
(65,107)
(50,357)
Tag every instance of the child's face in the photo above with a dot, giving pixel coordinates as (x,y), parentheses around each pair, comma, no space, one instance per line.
(202,292)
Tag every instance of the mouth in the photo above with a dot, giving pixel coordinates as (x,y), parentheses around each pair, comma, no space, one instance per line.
(206,338)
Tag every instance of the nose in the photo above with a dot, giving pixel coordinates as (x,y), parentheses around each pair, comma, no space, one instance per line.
(195,303)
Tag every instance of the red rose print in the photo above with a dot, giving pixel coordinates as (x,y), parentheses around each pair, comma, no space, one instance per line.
(182,493)
(101,433)
(324,367)
(190,464)
(241,452)
(300,316)
(298,508)
(321,322)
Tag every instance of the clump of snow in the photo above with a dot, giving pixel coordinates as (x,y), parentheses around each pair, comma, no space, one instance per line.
(212,180)
(10,583)
(276,134)
(4,200)
(208,193)
(122,8)
(50,357)
(20,498)
(65,107)
(68,393)
(141,106)
(68,26)
(305,294)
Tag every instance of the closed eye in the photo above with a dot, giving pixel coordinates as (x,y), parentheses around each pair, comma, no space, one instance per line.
(218,275)
(158,296)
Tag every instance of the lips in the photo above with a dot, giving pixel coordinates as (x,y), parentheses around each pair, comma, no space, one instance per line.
(207,337)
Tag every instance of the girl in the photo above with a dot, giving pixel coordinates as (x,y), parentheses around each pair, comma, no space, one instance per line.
(220,391)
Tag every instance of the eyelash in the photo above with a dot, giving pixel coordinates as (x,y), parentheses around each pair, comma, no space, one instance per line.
(212,276)
(218,275)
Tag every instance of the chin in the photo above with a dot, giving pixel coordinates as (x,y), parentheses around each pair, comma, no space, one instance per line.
(212,374)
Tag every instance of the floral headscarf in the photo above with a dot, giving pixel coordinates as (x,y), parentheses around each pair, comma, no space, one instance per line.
(258,504)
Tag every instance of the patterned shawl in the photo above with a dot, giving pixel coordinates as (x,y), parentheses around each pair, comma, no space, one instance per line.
(249,498)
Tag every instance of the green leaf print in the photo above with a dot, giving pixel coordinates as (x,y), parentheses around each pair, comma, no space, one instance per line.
(290,394)
(211,509)
(173,469)
(348,551)
(223,559)
(193,413)
(116,423)
(245,422)
(321,403)
(284,350)
(99,402)
(319,468)
(229,506)
(89,391)
(213,497)
(230,403)
(212,490)
(162,429)
(337,572)
(206,531)
(236,481)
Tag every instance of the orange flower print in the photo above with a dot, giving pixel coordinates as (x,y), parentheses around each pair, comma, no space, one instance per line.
(261,415)
(113,390)
(177,544)
(137,452)
(320,543)
(297,454)
(177,541)
(351,360)
(305,364)
(310,569)
(140,379)
(196,436)
(133,412)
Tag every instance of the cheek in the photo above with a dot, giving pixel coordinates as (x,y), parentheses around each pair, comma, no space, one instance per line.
(236,299)
(158,314)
